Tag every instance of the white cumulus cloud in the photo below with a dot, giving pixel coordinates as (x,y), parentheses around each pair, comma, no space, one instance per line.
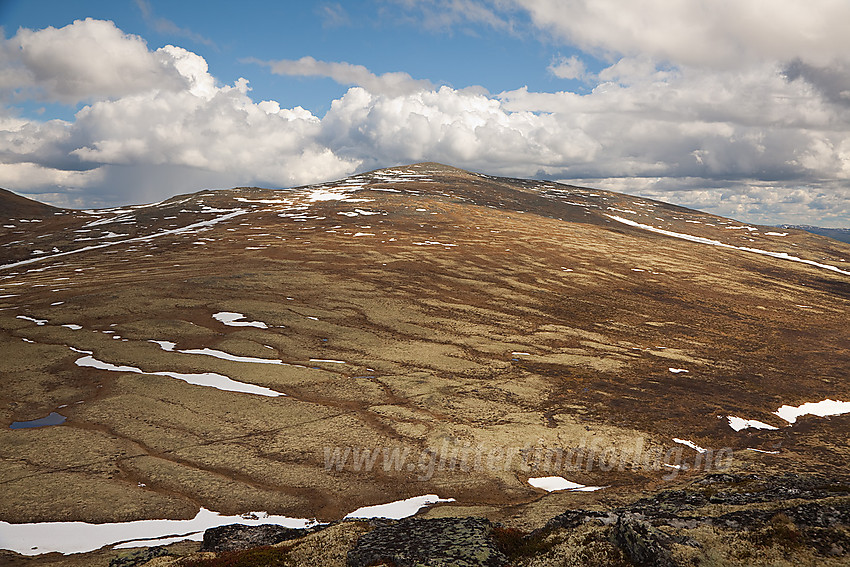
(157,117)
(82,61)
(568,68)
(464,128)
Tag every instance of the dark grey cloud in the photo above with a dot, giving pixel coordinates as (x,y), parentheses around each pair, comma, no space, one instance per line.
(832,82)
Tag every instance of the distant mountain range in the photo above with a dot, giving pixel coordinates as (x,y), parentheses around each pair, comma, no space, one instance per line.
(842,234)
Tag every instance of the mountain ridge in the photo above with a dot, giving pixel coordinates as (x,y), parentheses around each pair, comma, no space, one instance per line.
(841,234)
(542,204)
(14,205)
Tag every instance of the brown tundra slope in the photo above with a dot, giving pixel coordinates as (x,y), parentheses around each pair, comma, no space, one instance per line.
(470,332)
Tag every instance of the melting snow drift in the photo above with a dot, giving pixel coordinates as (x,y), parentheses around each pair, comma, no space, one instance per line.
(690,444)
(739,423)
(399,509)
(210,379)
(232,319)
(168,346)
(701,240)
(790,414)
(553,483)
(81,537)
(822,409)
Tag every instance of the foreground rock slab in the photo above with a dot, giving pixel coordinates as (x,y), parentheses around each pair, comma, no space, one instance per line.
(236,537)
(139,557)
(467,542)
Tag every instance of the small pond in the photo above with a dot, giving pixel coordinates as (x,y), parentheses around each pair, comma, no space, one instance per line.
(52,419)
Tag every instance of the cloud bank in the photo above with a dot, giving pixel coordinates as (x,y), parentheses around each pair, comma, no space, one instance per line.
(715,33)
(764,137)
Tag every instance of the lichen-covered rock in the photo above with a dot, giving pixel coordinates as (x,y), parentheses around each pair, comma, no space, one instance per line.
(414,542)
(814,514)
(138,557)
(641,543)
(236,537)
(574,518)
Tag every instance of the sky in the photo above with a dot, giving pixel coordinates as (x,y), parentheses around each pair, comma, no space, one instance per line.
(736,107)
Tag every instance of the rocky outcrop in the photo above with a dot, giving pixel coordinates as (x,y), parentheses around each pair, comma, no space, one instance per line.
(809,515)
(413,542)
(138,557)
(641,543)
(236,537)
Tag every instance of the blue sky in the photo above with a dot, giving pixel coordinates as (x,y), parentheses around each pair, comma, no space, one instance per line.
(382,36)
(737,108)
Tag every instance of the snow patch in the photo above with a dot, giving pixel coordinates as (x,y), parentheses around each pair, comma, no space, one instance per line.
(325,195)
(38,322)
(433,243)
(264,201)
(738,423)
(233,319)
(553,483)
(690,444)
(81,537)
(220,354)
(187,228)
(701,240)
(209,379)
(399,509)
(822,408)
